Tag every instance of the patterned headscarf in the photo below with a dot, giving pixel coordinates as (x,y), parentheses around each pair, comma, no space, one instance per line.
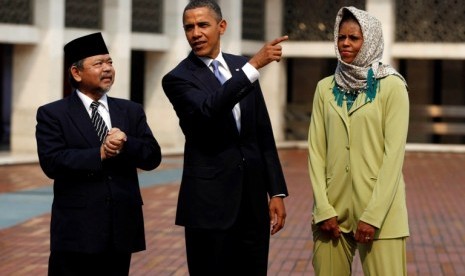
(354,76)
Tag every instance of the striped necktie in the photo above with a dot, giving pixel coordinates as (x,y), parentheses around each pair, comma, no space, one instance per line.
(98,122)
(237,109)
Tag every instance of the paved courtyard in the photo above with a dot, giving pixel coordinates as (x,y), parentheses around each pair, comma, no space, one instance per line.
(435,194)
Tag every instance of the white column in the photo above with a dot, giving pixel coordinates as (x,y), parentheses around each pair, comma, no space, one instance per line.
(273,77)
(232,13)
(117,35)
(384,11)
(37,74)
(160,113)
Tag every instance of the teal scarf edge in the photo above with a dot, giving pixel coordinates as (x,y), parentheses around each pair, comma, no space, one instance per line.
(370,91)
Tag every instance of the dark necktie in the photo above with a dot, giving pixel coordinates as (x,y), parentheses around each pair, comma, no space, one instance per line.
(98,122)
(236,110)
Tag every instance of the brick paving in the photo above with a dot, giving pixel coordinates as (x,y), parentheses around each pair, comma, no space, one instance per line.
(435,198)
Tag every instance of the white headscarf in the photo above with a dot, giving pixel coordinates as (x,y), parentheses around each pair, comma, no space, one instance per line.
(353,76)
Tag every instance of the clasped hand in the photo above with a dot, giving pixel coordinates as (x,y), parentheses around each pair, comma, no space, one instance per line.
(113,144)
(364,234)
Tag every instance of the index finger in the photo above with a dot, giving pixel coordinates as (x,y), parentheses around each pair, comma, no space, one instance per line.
(279,40)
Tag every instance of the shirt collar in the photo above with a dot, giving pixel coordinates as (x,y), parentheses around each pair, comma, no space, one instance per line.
(86,100)
(219,58)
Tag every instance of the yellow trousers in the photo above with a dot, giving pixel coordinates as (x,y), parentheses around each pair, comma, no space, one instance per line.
(386,257)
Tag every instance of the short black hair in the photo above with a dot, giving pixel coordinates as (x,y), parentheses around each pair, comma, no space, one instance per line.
(210,4)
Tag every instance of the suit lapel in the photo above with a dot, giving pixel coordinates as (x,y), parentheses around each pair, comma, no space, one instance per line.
(235,64)
(342,111)
(360,101)
(345,114)
(207,79)
(117,115)
(203,74)
(81,119)
(83,123)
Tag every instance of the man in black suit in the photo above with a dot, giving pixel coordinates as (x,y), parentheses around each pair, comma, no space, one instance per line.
(97,220)
(231,164)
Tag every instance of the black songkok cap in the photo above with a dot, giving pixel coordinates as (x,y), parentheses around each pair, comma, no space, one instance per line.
(85,46)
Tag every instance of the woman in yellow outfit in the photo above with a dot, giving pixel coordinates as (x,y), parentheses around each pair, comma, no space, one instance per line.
(357,137)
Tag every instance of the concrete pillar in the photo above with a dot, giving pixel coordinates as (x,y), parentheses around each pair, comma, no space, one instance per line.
(273,77)
(37,73)
(232,13)
(117,34)
(160,113)
(384,11)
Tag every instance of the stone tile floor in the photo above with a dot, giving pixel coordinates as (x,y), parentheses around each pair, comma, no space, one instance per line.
(435,195)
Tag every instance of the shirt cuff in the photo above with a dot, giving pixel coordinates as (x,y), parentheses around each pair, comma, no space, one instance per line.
(251,73)
(279,195)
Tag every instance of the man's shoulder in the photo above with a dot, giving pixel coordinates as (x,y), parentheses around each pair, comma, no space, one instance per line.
(233,56)
(191,62)
(57,104)
(182,65)
(123,102)
(235,59)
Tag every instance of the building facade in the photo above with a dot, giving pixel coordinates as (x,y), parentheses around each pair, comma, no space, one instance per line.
(424,40)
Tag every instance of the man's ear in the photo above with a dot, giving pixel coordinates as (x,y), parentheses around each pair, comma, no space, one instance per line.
(223,24)
(75,73)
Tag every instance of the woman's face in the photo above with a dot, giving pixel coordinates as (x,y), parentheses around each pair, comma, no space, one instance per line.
(350,40)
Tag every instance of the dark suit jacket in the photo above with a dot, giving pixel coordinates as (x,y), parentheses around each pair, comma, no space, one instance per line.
(85,187)
(217,158)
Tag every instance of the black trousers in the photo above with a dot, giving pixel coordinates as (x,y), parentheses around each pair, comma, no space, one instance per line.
(82,264)
(240,250)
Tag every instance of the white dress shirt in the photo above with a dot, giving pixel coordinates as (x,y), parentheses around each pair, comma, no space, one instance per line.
(102,109)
